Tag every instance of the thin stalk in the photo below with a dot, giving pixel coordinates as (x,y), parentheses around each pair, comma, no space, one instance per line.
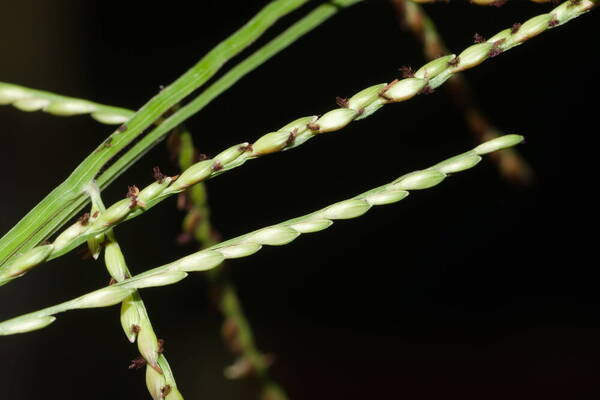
(414,18)
(236,328)
(275,235)
(361,105)
(69,197)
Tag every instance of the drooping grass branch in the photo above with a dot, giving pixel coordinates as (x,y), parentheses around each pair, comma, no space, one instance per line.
(69,197)
(414,18)
(137,326)
(134,317)
(361,105)
(236,330)
(275,235)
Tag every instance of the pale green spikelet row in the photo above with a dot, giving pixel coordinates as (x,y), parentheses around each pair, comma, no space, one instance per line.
(511,165)
(362,104)
(134,316)
(26,99)
(275,235)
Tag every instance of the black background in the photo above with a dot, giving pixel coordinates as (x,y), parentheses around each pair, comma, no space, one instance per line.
(474,289)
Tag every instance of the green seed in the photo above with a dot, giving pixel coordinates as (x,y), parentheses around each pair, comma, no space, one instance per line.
(230,154)
(434,68)
(155,382)
(31,104)
(275,235)
(473,56)
(386,197)
(419,180)
(299,125)
(130,317)
(271,143)
(69,108)
(105,297)
(110,118)
(26,261)
(201,261)
(161,279)
(154,190)
(147,343)
(502,35)
(21,325)
(458,163)
(194,174)
(532,27)
(405,89)
(499,143)
(314,225)
(68,235)
(9,94)
(346,209)
(336,119)
(365,97)
(239,250)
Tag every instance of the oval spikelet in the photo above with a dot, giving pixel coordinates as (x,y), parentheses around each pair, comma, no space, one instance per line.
(201,261)
(473,55)
(299,124)
(419,180)
(314,225)
(68,235)
(31,104)
(155,382)
(365,97)
(499,143)
(161,279)
(532,27)
(336,119)
(386,197)
(115,261)
(109,118)
(130,317)
(27,260)
(405,89)
(194,174)
(66,108)
(26,324)
(239,250)
(105,297)
(458,163)
(275,235)
(566,10)
(147,343)
(271,143)
(153,190)
(112,215)
(502,35)
(434,68)
(346,209)
(230,154)
(9,94)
